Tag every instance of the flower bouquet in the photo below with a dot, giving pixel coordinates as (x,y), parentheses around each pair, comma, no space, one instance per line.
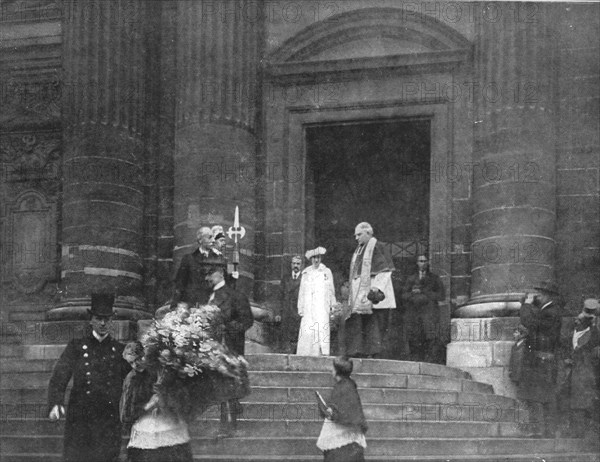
(184,346)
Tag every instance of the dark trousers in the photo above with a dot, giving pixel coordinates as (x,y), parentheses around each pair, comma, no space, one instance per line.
(92,440)
(349,453)
(178,453)
(542,418)
(365,333)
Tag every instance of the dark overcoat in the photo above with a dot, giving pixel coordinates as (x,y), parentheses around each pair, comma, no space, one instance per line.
(540,366)
(92,428)
(237,317)
(290,319)
(191,285)
(422,310)
(584,376)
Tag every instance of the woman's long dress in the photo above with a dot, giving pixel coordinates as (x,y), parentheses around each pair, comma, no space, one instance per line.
(315,299)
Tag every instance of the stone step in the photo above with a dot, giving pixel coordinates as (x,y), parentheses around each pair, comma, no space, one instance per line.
(34,396)
(280,362)
(309,412)
(282,446)
(370,380)
(536,457)
(207,424)
(34,379)
(43,357)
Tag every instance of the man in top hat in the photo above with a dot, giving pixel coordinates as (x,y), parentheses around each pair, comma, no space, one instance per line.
(237,319)
(371,294)
(583,370)
(92,428)
(191,285)
(540,315)
(288,311)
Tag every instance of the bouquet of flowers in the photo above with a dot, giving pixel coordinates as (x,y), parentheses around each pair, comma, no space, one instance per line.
(185,345)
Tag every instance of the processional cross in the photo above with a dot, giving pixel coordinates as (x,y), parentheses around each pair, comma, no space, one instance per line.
(237,233)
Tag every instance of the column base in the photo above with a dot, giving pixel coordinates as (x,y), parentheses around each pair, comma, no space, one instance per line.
(497,306)
(76,309)
(482,346)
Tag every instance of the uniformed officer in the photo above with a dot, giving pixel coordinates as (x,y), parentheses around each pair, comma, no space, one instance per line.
(92,428)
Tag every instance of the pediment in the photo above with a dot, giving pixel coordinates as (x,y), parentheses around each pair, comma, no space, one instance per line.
(366,37)
(370,47)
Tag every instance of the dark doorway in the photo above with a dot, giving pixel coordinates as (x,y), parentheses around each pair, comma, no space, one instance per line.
(374,171)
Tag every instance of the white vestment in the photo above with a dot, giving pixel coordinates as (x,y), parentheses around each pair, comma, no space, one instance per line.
(315,300)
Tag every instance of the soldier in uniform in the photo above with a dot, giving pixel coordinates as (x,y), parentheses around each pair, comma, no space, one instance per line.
(93,428)
(220,248)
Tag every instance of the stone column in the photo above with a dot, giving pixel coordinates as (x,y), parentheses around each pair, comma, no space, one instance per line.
(103,119)
(219,45)
(514,196)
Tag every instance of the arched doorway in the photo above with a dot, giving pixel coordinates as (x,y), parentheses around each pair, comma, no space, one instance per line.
(369,71)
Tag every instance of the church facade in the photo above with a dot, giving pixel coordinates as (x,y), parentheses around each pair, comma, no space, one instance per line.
(465,130)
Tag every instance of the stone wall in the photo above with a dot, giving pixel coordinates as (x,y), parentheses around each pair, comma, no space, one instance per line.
(31,138)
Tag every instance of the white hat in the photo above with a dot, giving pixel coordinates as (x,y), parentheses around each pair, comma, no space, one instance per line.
(314,252)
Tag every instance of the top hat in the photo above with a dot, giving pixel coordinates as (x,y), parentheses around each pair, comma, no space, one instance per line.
(314,252)
(548,286)
(102,305)
(591,307)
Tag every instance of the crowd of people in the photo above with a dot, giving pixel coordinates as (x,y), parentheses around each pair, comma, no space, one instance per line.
(358,318)
(112,387)
(555,375)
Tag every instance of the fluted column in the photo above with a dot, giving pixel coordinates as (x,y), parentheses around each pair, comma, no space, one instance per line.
(514,196)
(103,170)
(219,45)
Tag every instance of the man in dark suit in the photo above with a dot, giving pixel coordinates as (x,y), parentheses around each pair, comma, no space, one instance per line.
(541,317)
(237,317)
(421,294)
(288,312)
(92,429)
(191,284)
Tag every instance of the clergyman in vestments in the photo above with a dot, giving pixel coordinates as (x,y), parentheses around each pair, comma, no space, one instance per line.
(371,294)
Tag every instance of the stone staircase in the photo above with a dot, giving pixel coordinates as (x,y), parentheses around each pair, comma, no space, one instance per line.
(416,412)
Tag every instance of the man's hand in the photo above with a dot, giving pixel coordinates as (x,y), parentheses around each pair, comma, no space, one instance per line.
(277,318)
(235,274)
(57,412)
(329,413)
(153,403)
(527,299)
(416,290)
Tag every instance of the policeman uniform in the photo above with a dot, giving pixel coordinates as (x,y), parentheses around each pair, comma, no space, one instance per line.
(92,428)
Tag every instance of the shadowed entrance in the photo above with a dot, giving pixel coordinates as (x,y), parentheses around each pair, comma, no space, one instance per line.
(375,171)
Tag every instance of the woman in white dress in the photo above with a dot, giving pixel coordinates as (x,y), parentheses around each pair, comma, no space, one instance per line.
(316,299)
